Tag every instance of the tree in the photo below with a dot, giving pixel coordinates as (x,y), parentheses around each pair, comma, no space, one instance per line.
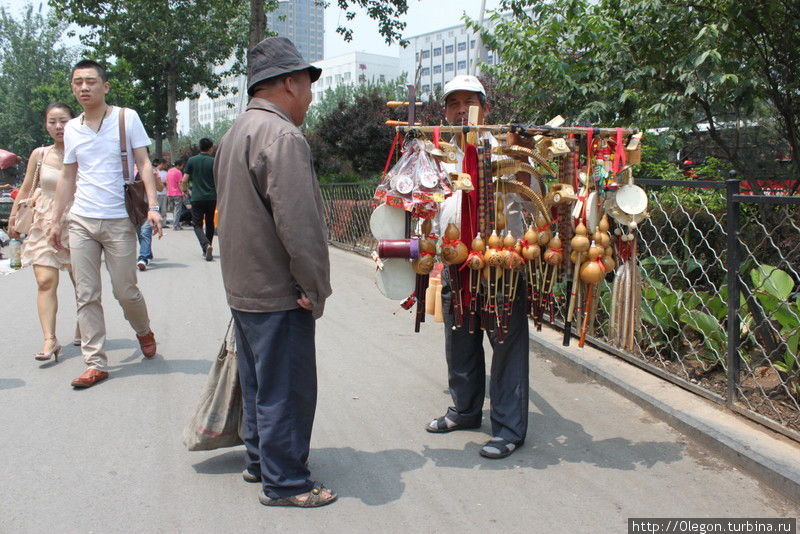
(169,48)
(34,68)
(648,63)
(346,128)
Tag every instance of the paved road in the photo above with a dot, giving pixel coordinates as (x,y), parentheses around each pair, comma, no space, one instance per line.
(110,459)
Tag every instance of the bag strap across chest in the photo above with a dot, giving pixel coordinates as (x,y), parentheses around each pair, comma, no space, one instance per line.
(123,146)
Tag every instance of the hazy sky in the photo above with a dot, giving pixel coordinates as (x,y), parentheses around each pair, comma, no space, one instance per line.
(423,16)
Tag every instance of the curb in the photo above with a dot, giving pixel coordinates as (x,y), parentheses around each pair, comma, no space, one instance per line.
(758,463)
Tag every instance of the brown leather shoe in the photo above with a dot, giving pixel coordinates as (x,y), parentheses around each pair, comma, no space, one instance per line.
(148,344)
(89,378)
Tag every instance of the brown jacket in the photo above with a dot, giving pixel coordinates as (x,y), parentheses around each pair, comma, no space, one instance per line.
(272,235)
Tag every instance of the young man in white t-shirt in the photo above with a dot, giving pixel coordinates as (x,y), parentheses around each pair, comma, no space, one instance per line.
(98,221)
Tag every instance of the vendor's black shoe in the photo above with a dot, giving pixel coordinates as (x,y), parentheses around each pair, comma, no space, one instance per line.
(250,477)
(445,424)
(498,447)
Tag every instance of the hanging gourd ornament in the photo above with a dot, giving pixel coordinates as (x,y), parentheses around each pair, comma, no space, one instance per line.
(475,259)
(592,270)
(454,251)
(530,249)
(554,254)
(492,255)
(579,242)
(427,252)
(500,216)
(544,230)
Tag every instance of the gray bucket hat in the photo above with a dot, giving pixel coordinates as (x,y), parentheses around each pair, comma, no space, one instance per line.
(275,56)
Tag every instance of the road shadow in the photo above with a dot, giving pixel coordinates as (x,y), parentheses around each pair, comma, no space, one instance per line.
(156,266)
(374,478)
(553,439)
(157,366)
(11,383)
(228,463)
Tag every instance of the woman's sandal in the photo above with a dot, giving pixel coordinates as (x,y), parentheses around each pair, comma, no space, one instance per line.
(315,498)
(497,448)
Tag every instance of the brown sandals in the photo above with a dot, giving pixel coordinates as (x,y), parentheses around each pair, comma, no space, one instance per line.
(315,498)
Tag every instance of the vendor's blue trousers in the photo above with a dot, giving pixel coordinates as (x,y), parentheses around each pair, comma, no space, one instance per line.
(466,371)
(278,374)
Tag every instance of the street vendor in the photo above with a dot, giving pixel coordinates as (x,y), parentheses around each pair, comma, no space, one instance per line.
(508,388)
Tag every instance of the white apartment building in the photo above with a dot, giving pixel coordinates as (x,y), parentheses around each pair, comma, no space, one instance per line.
(435,58)
(302,21)
(353,68)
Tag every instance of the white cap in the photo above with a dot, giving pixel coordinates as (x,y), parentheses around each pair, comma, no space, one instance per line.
(463,82)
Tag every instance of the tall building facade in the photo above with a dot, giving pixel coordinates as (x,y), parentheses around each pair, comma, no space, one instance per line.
(301,21)
(354,68)
(435,58)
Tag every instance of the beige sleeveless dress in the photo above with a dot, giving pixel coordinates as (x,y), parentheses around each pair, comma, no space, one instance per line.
(37,250)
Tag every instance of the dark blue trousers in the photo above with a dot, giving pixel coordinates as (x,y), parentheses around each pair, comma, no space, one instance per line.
(466,371)
(278,374)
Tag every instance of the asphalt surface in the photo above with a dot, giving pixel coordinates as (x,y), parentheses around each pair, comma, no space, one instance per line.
(110,459)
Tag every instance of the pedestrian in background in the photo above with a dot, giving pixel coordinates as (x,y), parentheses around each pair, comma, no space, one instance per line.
(160,165)
(276,271)
(198,175)
(98,223)
(175,194)
(47,261)
(145,232)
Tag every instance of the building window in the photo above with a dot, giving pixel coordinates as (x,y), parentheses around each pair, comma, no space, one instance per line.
(347,76)
(472,43)
(448,49)
(437,69)
(381,78)
(437,87)
(426,54)
(327,80)
(462,46)
(426,88)
(437,52)
(426,71)
(462,64)
(416,56)
(448,67)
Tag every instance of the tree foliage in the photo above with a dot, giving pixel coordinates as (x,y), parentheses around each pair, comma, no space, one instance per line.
(34,68)
(347,132)
(650,63)
(169,48)
(387,13)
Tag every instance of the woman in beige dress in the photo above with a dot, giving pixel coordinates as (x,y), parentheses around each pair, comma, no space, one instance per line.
(37,251)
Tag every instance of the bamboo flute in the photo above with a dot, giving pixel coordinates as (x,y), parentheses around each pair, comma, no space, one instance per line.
(585,327)
(521,129)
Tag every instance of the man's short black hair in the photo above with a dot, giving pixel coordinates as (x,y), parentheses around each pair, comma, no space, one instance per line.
(89,64)
(205,144)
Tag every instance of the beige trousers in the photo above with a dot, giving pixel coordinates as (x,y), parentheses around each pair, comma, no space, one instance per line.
(116,238)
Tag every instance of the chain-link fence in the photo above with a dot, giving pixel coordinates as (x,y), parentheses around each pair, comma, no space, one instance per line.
(686,254)
(348,207)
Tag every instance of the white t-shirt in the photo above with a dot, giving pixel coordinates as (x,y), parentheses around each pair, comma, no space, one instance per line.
(100,193)
(163,176)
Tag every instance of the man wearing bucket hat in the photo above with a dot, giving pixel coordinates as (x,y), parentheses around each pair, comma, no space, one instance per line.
(466,368)
(275,269)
